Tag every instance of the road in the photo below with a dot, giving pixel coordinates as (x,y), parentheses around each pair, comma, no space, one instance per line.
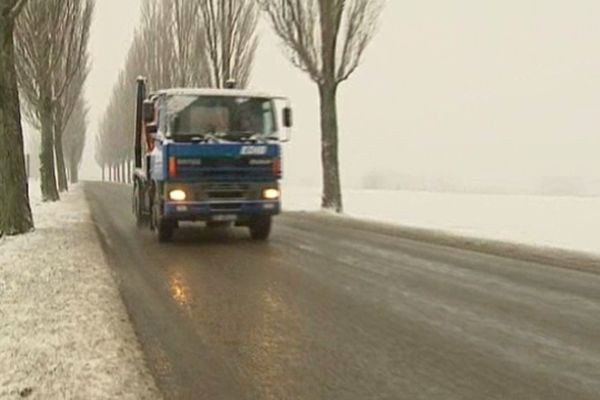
(325,311)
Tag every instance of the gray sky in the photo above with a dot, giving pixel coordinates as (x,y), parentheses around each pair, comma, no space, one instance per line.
(464,88)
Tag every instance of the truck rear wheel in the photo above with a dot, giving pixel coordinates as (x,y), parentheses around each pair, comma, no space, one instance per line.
(141,218)
(260,228)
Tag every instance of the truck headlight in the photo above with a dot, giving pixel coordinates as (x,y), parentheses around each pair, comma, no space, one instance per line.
(271,194)
(177,195)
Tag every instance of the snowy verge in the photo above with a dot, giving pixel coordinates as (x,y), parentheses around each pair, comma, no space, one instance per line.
(565,223)
(548,256)
(64,331)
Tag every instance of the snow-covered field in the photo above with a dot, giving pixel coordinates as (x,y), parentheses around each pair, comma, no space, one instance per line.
(571,223)
(64,332)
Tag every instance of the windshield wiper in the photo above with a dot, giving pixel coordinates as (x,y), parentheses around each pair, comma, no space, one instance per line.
(184,137)
(238,135)
(250,136)
(234,136)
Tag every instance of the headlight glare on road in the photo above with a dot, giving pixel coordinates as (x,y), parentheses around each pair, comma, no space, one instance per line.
(177,195)
(271,194)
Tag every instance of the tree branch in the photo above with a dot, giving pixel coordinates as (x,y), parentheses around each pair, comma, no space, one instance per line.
(16,9)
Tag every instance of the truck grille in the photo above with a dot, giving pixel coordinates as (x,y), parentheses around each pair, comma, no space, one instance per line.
(223,191)
(226,195)
(227,173)
(228,207)
(226,169)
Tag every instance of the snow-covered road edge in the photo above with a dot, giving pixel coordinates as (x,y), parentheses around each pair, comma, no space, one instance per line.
(568,223)
(547,255)
(64,331)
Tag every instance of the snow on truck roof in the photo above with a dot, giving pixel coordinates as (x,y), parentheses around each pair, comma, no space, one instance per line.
(213,92)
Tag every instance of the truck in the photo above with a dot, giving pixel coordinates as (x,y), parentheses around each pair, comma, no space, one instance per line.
(212,156)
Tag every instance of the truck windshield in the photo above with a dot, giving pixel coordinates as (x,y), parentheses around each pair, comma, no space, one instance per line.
(223,117)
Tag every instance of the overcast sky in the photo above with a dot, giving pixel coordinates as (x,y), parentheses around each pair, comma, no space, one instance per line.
(469,89)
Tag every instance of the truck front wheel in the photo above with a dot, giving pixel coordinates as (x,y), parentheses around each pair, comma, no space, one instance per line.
(163,227)
(260,227)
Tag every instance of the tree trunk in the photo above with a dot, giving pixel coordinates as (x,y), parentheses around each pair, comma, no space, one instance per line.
(47,170)
(332,192)
(15,213)
(74,170)
(103,176)
(61,167)
(123,173)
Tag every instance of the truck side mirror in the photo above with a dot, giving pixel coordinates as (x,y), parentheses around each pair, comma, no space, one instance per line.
(148,111)
(151,128)
(287,117)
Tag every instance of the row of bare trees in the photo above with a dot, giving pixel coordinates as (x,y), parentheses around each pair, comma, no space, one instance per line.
(207,42)
(44,62)
(180,43)
(52,65)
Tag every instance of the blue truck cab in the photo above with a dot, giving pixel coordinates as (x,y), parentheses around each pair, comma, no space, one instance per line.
(208,155)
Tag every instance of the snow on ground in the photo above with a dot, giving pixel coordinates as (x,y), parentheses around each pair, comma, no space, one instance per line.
(64,331)
(570,223)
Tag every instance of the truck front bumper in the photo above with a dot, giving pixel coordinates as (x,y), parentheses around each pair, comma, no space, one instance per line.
(220,211)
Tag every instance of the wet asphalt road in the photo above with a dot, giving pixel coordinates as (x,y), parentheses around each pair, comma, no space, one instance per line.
(324,311)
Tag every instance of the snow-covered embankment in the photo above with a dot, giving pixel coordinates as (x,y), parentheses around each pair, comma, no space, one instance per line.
(64,331)
(567,223)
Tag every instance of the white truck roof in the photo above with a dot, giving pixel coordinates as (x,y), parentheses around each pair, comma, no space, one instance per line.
(213,92)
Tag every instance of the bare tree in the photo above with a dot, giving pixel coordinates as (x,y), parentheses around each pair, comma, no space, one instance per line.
(169,47)
(326,39)
(73,72)
(230,37)
(179,43)
(52,38)
(154,46)
(32,146)
(15,212)
(196,42)
(74,138)
(188,43)
(115,126)
(100,155)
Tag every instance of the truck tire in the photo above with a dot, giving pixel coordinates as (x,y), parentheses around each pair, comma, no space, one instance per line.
(162,227)
(260,228)
(141,219)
